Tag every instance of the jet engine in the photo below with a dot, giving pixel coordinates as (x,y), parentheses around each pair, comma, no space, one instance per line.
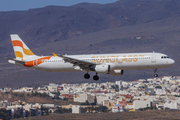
(102,68)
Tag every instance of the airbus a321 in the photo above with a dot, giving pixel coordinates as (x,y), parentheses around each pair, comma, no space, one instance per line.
(112,64)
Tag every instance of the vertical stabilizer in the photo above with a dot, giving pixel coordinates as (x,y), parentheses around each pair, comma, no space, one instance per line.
(20,49)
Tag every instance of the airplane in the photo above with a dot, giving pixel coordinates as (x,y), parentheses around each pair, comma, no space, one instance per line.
(112,64)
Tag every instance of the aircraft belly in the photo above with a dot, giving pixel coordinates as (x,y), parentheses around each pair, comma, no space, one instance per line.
(56,67)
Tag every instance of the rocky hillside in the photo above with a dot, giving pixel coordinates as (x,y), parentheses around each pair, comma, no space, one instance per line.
(56,23)
(91,28)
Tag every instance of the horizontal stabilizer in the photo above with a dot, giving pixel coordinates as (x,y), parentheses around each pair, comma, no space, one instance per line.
(20,61)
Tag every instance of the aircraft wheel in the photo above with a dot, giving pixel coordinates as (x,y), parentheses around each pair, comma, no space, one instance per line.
(155,75)
(96,78)
(86,76)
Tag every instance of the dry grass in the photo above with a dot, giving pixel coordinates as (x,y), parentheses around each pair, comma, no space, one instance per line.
(145,115)
(35,99)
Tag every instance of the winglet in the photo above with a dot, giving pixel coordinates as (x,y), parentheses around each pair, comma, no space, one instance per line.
(54,54)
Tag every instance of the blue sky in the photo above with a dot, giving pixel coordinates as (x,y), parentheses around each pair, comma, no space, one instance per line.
(10,5)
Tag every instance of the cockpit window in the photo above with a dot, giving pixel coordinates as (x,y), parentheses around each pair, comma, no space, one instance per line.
(164,57)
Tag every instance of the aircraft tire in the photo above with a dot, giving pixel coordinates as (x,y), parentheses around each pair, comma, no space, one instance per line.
(96,78)
(155,75)
(86,76)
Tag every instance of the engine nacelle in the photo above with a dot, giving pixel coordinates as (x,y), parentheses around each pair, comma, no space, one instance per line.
(116,72)
(102,68)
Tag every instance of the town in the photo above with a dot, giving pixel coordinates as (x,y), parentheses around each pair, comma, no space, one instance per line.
(119,96)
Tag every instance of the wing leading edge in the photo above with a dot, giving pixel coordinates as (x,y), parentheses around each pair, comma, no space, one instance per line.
(78,62)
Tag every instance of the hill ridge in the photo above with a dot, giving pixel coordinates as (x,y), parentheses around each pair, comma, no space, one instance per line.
(91,28)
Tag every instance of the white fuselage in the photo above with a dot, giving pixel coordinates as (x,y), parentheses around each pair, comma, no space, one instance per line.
(126,61)
(112,64)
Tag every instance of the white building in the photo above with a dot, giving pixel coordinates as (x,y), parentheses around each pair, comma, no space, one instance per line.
(101,98)
(118,109)
(78,109)
(48,105)
(52,95)
(53,87)
(27,107)
(83,97)
(138,104)
(119,83)
(141,104)
(171,105)
(160,91)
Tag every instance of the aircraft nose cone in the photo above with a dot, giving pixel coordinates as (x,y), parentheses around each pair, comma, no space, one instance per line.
(172,62)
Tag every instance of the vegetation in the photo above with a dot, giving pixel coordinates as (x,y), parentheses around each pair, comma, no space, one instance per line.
(63,110)
(148,108)
(177,95)
(45,110)
(98,109)
(116,87)
(17,115)
(5,114)
(33,94)
(87,103)
(158,87)
(103,87)
(56,95)
(39,94)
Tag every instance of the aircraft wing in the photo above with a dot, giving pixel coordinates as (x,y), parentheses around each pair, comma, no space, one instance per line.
(77,62)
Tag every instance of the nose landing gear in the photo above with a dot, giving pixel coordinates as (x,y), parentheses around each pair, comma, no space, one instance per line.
(155,75)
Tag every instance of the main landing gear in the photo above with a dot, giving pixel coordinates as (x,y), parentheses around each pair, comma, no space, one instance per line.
(155,75)
(96,78)
(87,76)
